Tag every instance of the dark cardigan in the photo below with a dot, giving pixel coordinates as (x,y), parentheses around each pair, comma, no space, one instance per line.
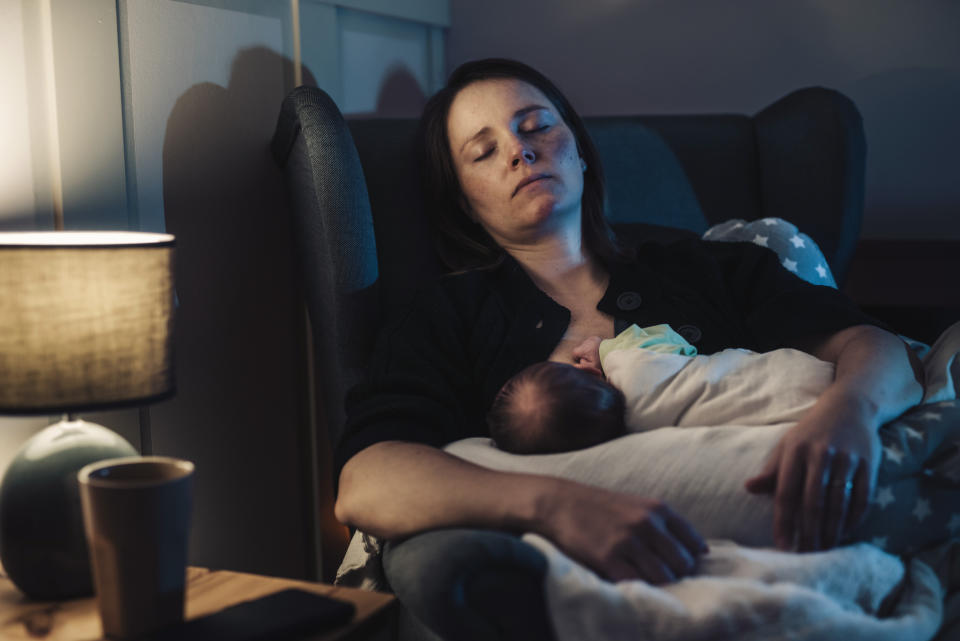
(441,360)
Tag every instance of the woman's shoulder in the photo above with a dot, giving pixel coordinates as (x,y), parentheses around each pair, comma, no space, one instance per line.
(684,251)
(467,294)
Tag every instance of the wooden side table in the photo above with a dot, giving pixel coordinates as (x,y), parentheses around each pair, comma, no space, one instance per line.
(207,591)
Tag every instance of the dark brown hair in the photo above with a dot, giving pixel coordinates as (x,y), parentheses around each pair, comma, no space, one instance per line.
(463,244)
(555,407)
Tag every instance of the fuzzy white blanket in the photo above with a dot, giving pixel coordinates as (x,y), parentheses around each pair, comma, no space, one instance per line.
(745,595)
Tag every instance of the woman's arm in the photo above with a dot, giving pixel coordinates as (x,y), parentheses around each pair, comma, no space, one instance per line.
(394,489)
(822,473)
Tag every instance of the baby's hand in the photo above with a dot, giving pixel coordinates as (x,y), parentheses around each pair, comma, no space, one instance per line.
(586,356)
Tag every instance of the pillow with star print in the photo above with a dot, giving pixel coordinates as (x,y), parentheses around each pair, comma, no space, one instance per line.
(797,251)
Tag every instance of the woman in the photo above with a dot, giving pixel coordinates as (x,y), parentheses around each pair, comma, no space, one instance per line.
(515,190)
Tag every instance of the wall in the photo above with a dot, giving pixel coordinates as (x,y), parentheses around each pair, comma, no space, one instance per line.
(898,60)
(163,124)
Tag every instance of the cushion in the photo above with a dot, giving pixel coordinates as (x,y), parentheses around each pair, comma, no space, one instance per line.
(797,251)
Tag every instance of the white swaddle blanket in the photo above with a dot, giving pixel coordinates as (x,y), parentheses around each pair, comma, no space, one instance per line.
(732,387)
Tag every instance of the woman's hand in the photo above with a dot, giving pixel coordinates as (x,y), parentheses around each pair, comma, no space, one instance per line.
(823,471)
(621,536)
(822,474)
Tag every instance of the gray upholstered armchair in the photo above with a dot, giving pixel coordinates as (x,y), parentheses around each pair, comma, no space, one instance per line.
(363,245)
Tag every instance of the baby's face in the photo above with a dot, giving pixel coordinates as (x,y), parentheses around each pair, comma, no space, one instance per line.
(586,356)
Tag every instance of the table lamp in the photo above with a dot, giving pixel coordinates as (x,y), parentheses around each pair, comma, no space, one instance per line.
(85,324)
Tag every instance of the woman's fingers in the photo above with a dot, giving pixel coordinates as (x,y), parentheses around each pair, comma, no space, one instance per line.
(680,528)
(839,491)
(623,536)
(814,499)
(766,481)
(787,498)
(860,497)
(673,553)
(647,564)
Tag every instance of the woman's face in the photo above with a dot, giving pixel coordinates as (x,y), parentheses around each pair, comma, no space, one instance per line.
(516,160)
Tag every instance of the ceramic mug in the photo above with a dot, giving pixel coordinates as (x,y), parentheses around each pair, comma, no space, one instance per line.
(136,514)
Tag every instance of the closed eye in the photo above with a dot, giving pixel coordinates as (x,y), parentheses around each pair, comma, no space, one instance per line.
(535,130)
(484,155)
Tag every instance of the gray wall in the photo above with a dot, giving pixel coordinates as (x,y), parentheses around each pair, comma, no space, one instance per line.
(898,60)
(163,124)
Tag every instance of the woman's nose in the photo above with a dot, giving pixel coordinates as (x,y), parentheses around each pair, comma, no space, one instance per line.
(524,154)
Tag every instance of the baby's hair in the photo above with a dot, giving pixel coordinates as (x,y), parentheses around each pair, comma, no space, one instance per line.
(555,407)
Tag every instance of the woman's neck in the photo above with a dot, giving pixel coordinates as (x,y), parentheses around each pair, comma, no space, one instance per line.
(562,268)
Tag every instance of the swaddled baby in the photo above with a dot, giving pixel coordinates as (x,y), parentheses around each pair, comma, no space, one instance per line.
(647,378)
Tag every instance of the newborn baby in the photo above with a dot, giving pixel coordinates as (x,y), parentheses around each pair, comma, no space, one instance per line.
(616,388)
(654,378)
(555,407)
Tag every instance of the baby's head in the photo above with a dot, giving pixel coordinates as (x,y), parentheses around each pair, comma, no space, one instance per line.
(555,407)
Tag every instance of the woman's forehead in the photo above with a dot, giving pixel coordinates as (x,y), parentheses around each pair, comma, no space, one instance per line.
(488,102)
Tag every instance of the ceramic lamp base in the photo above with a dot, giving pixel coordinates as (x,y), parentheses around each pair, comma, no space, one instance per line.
(42,543)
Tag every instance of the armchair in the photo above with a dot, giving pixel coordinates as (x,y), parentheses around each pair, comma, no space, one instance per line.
(362,244)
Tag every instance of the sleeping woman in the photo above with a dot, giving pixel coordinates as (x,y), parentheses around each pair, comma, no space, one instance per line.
(514,189)
(658,381)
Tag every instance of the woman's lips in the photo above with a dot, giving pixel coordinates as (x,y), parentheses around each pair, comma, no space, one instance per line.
(528,180)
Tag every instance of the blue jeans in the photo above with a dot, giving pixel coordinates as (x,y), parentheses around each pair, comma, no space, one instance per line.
(471,585)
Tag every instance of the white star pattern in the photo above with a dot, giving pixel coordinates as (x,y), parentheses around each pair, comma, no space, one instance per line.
(954,523)
(737,225)
(770,221)
(884,497)
(821,271)
(894,454)
(760,240)
(880,542)
(922,509)
(791,265)
(797,241)
(932,416)
(912,433)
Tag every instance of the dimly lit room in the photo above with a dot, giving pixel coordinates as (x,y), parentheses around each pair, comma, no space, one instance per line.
(445,320)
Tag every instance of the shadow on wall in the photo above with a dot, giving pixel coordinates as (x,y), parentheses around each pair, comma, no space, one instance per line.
(239,412)
(400,96)
(911,121)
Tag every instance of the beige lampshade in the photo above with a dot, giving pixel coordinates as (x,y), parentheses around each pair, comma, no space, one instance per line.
(86,320)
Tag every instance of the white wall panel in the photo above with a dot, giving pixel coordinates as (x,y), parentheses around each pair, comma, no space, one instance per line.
(320,48)
(17,194)
(380,54)
(173,46)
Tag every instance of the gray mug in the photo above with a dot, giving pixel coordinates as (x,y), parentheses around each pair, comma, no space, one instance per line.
(136,515)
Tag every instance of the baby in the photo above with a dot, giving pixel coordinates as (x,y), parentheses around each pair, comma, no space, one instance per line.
(554,407)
